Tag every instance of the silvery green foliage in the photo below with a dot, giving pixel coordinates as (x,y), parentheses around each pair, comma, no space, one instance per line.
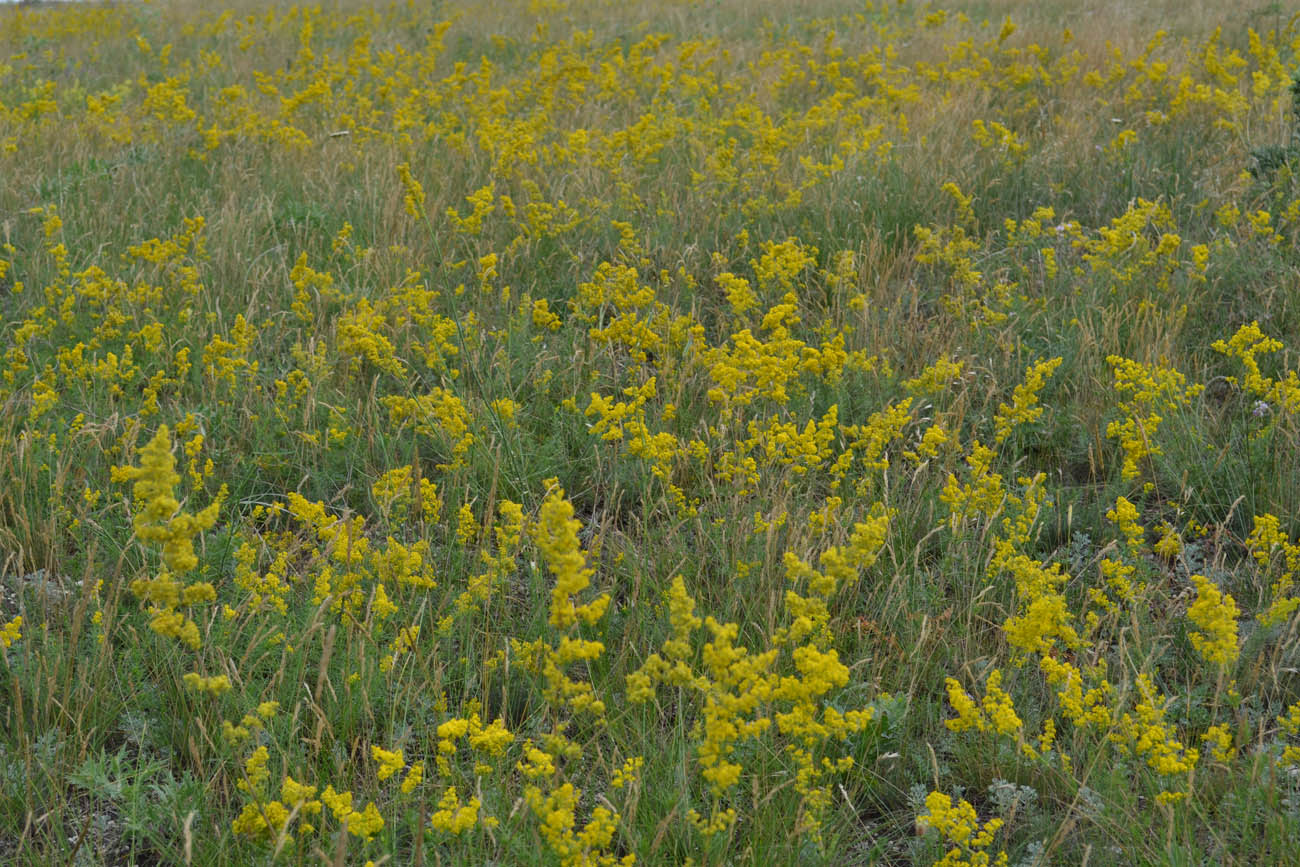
(1010,799)
(1090,802)
(1035,856)
(916,797)
(1291,800)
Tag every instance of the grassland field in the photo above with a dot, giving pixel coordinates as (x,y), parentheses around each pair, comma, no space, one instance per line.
(579,432)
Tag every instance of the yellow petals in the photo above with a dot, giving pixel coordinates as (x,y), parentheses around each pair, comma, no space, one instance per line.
(11,632)
(389,762)
(214,685)
(452,817)
(1215,615)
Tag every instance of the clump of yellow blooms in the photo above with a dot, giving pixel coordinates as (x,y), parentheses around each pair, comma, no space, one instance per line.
(574,846)
(359,823)
(840,568)
(1290,723)
(452,817)
(161,520)
(629,774)
(268,818)
(1083,707)
(401,644)
(488,740)
(1246,345)
(11,632)
(1214,614)
(250,724)
(1169,546)
(959,827)
(390,761)
(1267,544)
(402,490)
(215,685)
(1146,391)
(1219,740)
(936,378)
(1147,734)
(259,818)
(414,777)
(440,415)
(414,200)
(1125,517)
(1024,407)
(983,494)
(226,360)
(744,695)
(995,712)
(466,524)
(556,537)
(508,534)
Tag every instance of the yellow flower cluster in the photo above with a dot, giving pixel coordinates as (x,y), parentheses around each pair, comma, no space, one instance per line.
(252,722)
(1146,391)
(1290,723)
(1268,544)
(573,846)
(1024,406)
(360,565)
(556,536)
(390,762)
(995,712)
(1248,343)
(959,826)
(488,740)
(452,817)
(1215,615)
(11,632)
(161,520)
(744,695)
(440,415)
(1146,733)
(269,819)
(215,685)
(508,533)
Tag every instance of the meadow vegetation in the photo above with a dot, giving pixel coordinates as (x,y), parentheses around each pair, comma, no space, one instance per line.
(692,431)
